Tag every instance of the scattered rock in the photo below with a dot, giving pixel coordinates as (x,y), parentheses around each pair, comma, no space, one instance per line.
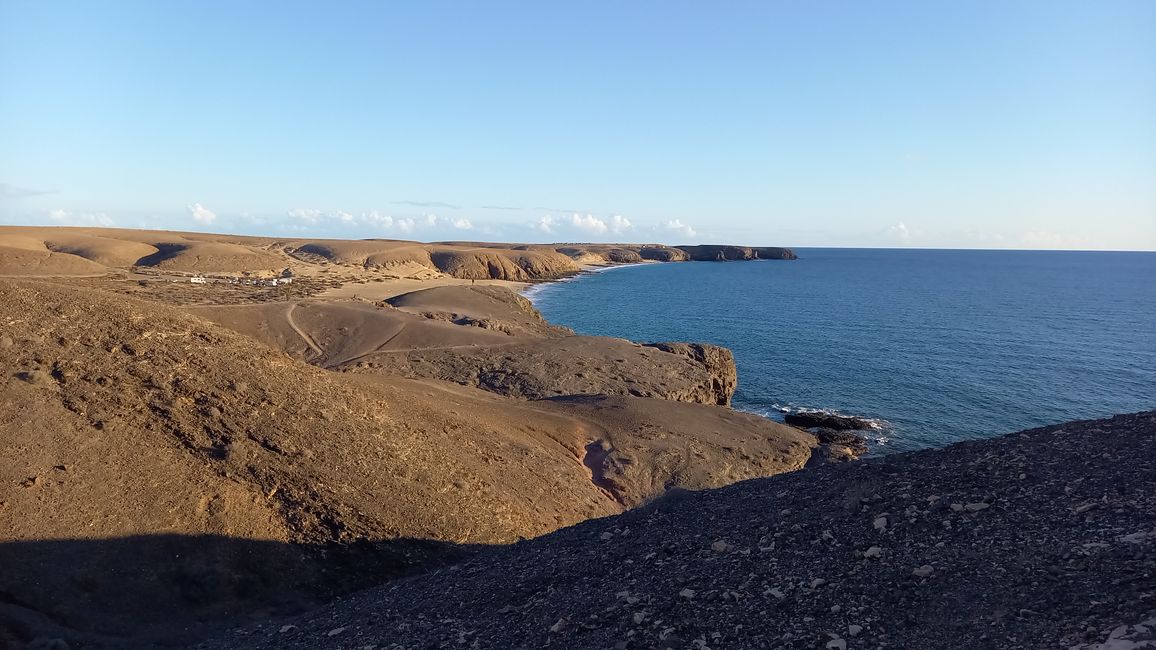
(923,571)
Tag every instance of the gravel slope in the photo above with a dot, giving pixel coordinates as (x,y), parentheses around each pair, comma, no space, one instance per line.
(1040,539)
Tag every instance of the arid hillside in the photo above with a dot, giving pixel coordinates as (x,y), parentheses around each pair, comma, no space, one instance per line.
(59,251)
(1040,539)
(185,436)
(126,419)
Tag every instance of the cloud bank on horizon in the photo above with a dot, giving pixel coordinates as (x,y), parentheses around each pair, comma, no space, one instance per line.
(547,228)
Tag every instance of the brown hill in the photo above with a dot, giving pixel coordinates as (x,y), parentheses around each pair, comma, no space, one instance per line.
(124,419)
(493,340)
(38,250)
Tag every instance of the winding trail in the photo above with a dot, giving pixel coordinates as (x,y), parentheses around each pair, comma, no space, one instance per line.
(300,332)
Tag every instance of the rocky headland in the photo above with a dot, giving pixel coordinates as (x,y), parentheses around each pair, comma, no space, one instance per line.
(193,447)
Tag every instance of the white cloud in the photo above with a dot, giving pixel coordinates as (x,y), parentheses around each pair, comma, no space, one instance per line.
(619,223)
(463,224)
(545,224)
(899,231)
(201,214)
(305,215)
(431,220)
(678,227)
(405,225)
(69,218)
(375,218)
(589,223)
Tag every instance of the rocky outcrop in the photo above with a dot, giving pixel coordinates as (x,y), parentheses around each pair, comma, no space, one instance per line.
(825,420)
(663,254)
(719,363)
(715,253)
(497,264)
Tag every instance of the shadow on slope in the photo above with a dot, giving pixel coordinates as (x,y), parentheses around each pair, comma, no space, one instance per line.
(171,590)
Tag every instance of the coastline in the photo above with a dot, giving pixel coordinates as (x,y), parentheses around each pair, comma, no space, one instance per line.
(454,414)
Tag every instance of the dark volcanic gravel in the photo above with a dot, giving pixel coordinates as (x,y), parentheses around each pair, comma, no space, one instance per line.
(1040,539)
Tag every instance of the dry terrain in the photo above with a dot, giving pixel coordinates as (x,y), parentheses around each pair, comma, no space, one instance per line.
(1039,539)
(182,456)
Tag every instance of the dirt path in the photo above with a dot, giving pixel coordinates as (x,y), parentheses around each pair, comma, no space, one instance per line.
(289,309)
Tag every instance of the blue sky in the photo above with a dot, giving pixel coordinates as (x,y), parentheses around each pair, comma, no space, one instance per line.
(963,124)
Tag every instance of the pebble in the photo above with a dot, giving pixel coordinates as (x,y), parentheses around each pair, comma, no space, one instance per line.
(874,551)
(335,631)
(976,507)
(720,547)
(607,535)
(557,627)
(837,644)
(687,593)
(956,507)
(923,571)
(818,582)
(287,628)
(880,523)
(854,630)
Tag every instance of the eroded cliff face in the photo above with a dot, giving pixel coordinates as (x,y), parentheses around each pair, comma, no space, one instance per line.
(719,364)
(715,253)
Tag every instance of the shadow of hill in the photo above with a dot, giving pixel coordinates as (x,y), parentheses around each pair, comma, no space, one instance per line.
(164,252)
(171,590)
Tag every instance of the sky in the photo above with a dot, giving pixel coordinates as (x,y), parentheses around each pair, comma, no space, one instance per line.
(1002,124)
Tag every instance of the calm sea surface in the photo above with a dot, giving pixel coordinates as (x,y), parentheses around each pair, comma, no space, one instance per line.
(940,345)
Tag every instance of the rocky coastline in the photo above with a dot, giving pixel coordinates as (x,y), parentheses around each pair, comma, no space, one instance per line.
(240,462)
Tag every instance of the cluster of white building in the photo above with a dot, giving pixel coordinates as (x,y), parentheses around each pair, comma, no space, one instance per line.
(286,277)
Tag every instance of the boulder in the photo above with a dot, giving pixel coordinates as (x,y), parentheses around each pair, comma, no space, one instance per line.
(824,420)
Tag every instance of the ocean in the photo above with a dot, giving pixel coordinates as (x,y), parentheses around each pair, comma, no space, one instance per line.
(937,346)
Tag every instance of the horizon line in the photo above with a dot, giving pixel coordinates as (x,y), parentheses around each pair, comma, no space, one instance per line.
(625,243)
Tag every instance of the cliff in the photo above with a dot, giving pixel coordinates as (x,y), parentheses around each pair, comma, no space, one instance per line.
(713,253)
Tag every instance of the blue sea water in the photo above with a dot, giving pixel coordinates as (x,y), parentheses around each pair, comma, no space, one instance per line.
(941,345)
